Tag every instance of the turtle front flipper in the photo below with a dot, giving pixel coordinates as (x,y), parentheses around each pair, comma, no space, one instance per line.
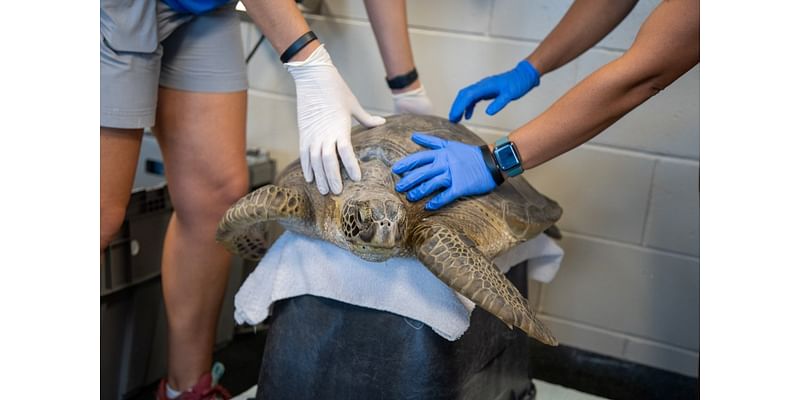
(455,260)
(243,229)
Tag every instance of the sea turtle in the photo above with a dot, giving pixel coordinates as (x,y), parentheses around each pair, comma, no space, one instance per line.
(370,219)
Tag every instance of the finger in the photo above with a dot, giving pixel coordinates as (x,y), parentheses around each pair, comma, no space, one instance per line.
(349,160)
(305,163)
(426,188)
(319,170)
(470,109)
(366,119)
(414,160)
(441,200)
(498,104)
(330,163)
(431,142)
(417,176)
(463,100)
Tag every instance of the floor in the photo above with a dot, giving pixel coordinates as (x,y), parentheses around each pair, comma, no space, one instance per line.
(545,391)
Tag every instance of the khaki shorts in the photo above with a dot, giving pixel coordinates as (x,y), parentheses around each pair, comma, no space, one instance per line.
(144,44)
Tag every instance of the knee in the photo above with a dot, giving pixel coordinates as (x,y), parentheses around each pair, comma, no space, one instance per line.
(111,218)
(208,201)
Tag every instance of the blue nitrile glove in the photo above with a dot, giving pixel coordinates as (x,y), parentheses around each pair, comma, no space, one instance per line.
(504,88)
(456,167)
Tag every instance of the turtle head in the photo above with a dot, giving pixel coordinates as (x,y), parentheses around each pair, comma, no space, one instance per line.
(374,228)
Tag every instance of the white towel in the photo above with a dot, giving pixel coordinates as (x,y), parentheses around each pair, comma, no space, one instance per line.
(296,265)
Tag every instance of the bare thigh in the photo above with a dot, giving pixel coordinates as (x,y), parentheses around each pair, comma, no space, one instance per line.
(119,153)
(202,138)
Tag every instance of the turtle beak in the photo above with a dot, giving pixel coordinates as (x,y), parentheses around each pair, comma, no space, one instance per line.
(385,230)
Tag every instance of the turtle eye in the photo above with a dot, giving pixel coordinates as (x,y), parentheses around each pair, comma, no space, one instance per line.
(363,215)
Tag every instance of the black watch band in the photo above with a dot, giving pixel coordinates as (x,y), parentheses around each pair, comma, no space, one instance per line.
(403,81)
(298,45)
(494,169)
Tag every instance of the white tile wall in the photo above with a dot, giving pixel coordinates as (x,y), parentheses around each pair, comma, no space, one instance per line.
(664,356)
(272,124)
(674,222)
(627,289)
(629,285)
(603,193)
(534,19)
(453,15)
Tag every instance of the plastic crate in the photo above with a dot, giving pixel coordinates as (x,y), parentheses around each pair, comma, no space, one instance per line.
(134,256)
(133,327)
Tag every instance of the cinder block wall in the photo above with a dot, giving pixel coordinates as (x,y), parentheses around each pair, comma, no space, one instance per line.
(629,284)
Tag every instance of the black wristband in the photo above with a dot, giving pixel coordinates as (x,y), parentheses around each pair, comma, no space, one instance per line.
(488,158)
(298,45)
(403,81)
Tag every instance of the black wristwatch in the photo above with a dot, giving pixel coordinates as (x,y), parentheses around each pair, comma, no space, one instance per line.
(491,165)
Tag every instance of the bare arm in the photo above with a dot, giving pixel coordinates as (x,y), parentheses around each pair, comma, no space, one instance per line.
(389,23)
(282,23)
(585,23)
(667,46)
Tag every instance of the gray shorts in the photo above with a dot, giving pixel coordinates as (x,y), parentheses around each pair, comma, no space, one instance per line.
(144,44)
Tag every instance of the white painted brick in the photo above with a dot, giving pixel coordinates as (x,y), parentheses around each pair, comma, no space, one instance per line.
(674,220)
(445,67)
(603,193)
(272,124)
(668,123)
(662,356)
(584,337)
(526,19)
(265,71)
(448,63)
(627,289)
(354,51)
(533,20)
(344,8)
(622,346)
(459,15)
(623,35)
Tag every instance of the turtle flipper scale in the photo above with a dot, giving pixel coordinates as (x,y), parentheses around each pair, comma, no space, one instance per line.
(243,228)
(452,259)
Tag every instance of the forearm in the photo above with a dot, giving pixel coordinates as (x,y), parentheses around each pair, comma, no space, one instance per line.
(389,23)
(282,23)
(667,46)
(585,23)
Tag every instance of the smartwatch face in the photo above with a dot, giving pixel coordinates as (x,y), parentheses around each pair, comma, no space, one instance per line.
(506,157)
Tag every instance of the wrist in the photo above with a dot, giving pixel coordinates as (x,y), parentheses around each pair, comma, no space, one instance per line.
(403,81)
(414,86)
(507,157)
(491,165)
(306,52)
(529,71)
(300,48)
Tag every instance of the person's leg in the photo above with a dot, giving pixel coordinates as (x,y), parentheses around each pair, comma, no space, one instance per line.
(119,152)
(202,138)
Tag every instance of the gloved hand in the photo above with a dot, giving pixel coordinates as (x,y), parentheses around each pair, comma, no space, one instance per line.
(413,102)
(504,88)
(324,106)
(456,167)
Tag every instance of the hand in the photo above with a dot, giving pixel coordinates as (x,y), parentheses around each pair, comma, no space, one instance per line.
(504,88)
(324,107)
(414,101)
(456,167)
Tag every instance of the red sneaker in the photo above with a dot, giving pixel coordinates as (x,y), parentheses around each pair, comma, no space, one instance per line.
(206,387)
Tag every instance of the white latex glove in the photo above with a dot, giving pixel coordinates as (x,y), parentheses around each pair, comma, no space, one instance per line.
(324,106)
(413,102)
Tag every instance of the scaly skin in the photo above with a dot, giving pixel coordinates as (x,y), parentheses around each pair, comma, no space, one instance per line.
(374,222)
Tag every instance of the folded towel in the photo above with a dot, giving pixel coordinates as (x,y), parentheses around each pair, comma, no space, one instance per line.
(297,265)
